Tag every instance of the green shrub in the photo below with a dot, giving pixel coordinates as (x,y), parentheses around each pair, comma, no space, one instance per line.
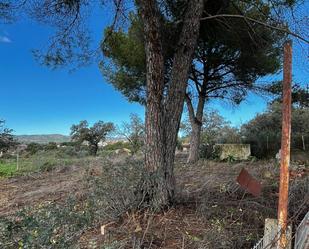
(264,131)
(50,146)
(114,188)
(117,145)
(70,151)
(70,144)
(33,148)
(206,151)
(47,166)
(231,159)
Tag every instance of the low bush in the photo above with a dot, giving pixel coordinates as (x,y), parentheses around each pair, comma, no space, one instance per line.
(50,146)
(47,166)
(114,188)
(47,226)
(117,145)
(70,151)
(33,148)
(110,193)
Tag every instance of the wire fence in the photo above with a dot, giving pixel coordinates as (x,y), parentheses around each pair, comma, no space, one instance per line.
(302,234)
(260,244)
(301,237)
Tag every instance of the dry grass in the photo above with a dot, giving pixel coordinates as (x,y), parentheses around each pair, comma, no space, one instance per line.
(211,211)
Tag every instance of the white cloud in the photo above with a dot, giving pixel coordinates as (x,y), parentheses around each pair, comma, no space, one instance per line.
(5,39)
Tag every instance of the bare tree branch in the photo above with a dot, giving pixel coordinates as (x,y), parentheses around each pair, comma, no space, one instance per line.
(285,30)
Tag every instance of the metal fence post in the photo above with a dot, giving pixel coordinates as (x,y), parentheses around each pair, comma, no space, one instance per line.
(285,146)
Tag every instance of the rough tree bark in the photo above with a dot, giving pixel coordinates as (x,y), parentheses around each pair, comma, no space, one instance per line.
(196,120)
(163,111)
(152,188)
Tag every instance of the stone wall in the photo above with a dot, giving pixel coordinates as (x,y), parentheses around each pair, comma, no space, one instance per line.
(237,151)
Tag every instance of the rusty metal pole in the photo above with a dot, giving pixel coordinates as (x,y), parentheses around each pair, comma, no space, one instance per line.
(285,147)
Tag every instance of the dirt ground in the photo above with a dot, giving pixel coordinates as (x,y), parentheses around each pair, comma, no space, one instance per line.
(195,183)
(21,191)
(18,192)
(183,226)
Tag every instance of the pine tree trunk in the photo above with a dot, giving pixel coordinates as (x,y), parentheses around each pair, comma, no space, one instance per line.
(163,114)
(196,127)
(195,138)
(179,80)
(151,191)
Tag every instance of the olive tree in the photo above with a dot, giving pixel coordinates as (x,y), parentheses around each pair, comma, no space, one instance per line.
(7,140)
(134,132)
(93,135)
(174,22)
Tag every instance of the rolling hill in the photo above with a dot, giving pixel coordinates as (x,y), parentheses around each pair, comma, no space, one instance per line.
(43,139)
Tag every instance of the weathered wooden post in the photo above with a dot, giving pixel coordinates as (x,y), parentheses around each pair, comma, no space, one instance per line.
(285,147)
(17,161)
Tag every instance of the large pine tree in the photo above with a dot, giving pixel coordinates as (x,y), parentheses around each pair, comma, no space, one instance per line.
(166,70)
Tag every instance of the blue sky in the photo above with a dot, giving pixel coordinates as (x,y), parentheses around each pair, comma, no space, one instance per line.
(37,100)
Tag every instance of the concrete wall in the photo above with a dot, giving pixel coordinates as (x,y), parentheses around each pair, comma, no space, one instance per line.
(271,234)
(237,151)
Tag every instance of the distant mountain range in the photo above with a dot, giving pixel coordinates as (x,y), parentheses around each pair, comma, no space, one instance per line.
(56,138)
(43,139)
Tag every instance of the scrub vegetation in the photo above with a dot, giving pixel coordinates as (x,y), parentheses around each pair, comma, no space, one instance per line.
(143,193)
